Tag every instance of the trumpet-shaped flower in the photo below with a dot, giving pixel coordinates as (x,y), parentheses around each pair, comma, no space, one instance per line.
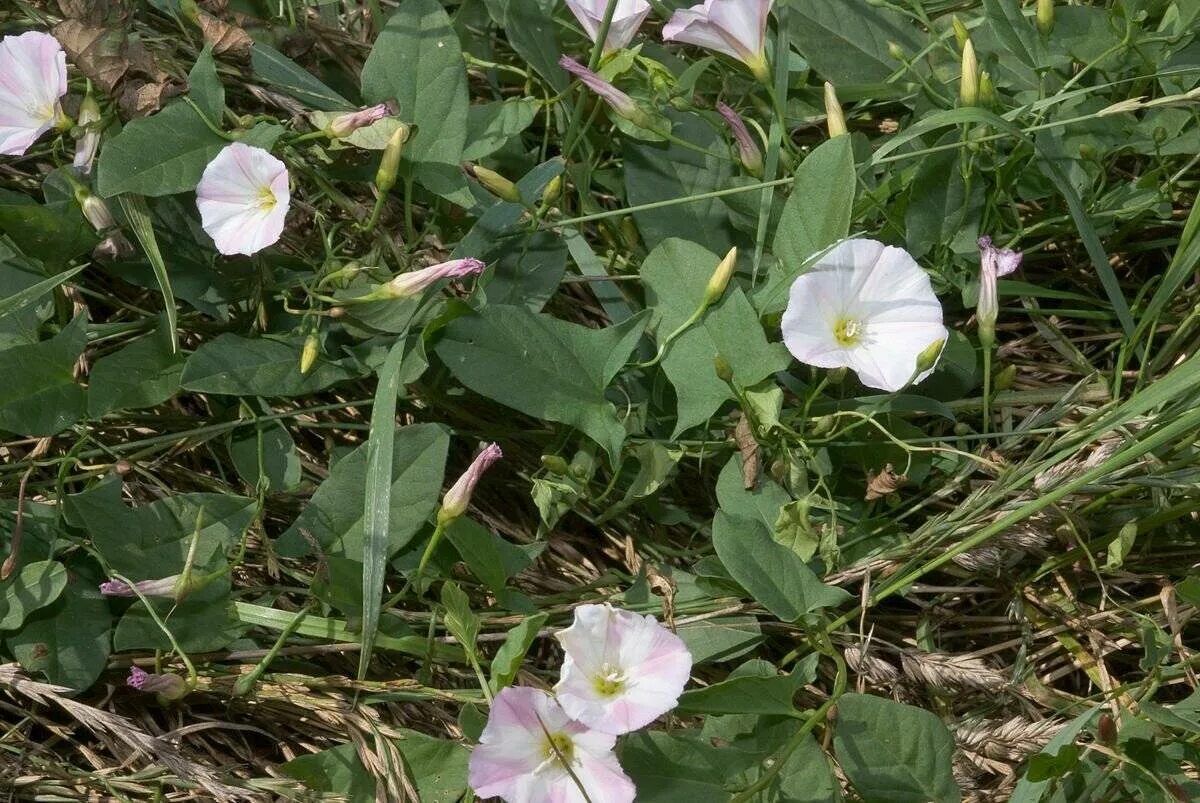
(993,263)
(865,306)
(33,79)
(737,28)
(417,281)
(532,752)
(627,18)
(621,670)
(243,198)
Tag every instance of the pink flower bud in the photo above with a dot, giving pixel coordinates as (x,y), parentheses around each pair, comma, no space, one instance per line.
(346,124)
(410,284)
(618,101)
(748,152)
(455,502)
(162,587)
(167,686)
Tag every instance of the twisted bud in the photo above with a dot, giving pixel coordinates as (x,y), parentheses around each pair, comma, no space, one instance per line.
(748,152)
(458,498)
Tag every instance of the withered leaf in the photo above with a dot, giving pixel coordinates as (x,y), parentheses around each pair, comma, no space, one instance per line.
(881,484)
(98,52)
(743,436)
(225,38)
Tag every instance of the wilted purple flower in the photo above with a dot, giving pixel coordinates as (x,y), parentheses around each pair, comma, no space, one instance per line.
(993,263)
(455,502)
(748,152)
(618,101)
(416,281)
(163,587)
(166,686)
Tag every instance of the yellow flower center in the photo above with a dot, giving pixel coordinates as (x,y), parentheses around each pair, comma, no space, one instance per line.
(610,681)
(847,331)
(558,749)
(266,199)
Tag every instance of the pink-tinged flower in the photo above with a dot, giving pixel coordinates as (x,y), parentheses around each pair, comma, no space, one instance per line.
(346,124)
(626,19)
(748,152)
(869,307)
(618,101)
(993,263)
(737,28)
(455,502)
(528,746)
(621,670)
(243,198)
(166,686)
(33,79)
(417,281)
(163,587)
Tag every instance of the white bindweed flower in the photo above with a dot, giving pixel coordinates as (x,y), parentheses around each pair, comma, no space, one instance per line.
(869,307)
(243,198)
(627,18)
(621,671)
(33,79)
(532,752)
(737,28)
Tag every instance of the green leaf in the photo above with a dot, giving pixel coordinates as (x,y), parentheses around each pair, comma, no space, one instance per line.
(846,41)
(242,366)
(1015,31)
(158,155)
(491,125)
(894,752)
(721,639)
(667,171)
(281,73)
(37,585)
(377,499)
(461,621)
(10,304)
(794,530)
(39,395)
(417,61)
(264,452)
(204,86)
(143,374)
(676,274)
(337,770)
(489,557)
(771,573)
(138,215)
(815,216)
(763,503)
(542,366)
(766,693)
(438,766)
(69,640)
(334,515)
(670,767)
(528,272)
(56,232)
(512,651)
(532,32)
(941,207)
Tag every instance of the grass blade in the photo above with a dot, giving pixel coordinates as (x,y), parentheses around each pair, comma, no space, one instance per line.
(377,500)
(23,298)
(138,215)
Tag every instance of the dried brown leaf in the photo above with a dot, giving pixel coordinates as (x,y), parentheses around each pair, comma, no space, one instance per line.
(743,436)
(885,482)
(225,38)
(98,51)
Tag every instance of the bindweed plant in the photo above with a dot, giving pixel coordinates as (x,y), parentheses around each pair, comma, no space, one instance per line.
(600,400)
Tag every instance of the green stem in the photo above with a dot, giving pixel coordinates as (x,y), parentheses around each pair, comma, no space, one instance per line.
(987,388)
(246,683)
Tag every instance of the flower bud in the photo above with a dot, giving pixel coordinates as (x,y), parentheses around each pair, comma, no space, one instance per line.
(346,124)
(835,121)
(414,282)
(720,278)
(748,152)
(96,212)
(456,500)
(987,90)
(961,35)
(89,138)
(493,182)
(169,687)
(555,464)
(896,52)
(723,369)
(1045,16)
(968,92)
(993,263)
(552,191)
(1005,377)
(309,353)
(621,104)
(928,358)
(389,165)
